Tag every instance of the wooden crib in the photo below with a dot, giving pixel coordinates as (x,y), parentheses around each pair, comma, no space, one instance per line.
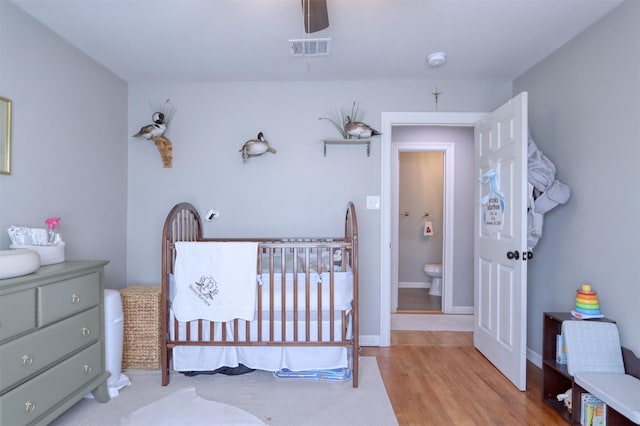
(298,299)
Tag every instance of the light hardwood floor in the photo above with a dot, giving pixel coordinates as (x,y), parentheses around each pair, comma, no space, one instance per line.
(439,378)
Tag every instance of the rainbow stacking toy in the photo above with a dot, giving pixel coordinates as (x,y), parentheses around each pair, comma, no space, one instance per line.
(587,304)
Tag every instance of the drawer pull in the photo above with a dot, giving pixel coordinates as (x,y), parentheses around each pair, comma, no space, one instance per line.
(88,368)
(75,299)
(85,331)
(29,407)
(27,360)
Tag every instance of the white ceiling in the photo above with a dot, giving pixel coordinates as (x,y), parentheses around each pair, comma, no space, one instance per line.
(214,40)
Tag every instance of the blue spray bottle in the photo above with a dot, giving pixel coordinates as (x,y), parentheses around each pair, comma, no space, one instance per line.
(53,233)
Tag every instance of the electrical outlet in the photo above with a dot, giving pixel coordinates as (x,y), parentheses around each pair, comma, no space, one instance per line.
(373,202)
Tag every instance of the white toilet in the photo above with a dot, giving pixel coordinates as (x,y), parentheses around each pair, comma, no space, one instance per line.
(434,270)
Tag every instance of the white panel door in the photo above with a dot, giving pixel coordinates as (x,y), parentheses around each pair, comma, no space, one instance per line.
(500,242)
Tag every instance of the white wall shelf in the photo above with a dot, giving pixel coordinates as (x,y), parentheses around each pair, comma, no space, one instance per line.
(366,142)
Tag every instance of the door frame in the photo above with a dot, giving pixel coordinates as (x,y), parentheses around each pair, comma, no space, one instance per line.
(448,150)
(389,120)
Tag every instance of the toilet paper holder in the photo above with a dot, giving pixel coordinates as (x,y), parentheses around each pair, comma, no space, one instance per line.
(406,213)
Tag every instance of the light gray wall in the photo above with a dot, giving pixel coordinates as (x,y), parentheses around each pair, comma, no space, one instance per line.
(584,113)
(295,192)
(464,184)
(421,192)
(69,152)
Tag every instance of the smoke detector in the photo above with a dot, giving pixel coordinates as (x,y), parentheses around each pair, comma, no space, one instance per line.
(309,47)
(437,59)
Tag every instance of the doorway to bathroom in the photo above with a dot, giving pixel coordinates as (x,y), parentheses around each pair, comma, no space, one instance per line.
(431,186)
(420,230)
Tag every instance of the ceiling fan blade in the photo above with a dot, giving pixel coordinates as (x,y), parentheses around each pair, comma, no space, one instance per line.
(315,13)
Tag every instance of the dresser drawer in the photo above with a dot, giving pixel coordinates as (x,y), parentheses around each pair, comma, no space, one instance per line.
(17,313)
(31,400)
(24,356)
(65,298)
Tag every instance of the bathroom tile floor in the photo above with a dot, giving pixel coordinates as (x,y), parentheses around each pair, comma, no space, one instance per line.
(418,300)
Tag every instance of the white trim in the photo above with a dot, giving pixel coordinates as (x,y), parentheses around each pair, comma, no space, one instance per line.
(462,310)
(389,119)
(408,284)
(534,357)
(448,149)
(371,340)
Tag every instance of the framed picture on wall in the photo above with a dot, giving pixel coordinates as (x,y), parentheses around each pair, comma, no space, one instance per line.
(5,136)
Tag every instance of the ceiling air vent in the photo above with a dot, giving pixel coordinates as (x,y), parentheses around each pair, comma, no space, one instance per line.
(309,47)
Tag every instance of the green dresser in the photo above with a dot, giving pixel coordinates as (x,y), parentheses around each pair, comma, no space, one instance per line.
(51,341)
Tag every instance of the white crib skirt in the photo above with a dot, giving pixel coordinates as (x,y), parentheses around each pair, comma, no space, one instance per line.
(269,358)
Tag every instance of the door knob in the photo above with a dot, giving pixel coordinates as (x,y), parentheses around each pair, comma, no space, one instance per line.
(513,255)
(526,255)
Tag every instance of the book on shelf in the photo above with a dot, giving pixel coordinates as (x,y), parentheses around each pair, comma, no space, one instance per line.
(561,349)
(593,411)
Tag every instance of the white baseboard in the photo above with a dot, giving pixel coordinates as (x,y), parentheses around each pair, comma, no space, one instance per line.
(370,340)
(461,310)
(408,284)
(534,357)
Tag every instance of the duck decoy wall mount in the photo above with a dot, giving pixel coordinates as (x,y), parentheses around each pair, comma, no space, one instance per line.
(155,131)
(255,147)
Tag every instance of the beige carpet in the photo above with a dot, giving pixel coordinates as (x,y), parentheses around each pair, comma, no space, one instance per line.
(246,398)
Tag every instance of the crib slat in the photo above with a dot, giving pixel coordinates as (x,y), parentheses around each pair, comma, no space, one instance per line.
(332,306)
(259,302)
(344,325)
(319,290)
(271,293)
(295,293)
(283,296)
(307,295)
(236,337)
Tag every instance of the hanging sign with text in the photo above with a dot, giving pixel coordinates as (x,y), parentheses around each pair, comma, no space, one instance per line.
(492,204)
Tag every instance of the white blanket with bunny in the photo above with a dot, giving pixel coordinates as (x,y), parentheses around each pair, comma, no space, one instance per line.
(215,281)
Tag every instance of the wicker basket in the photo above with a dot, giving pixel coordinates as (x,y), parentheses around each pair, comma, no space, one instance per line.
(141,343)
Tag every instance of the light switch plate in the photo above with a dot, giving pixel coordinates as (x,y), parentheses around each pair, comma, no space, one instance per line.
(373,202)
